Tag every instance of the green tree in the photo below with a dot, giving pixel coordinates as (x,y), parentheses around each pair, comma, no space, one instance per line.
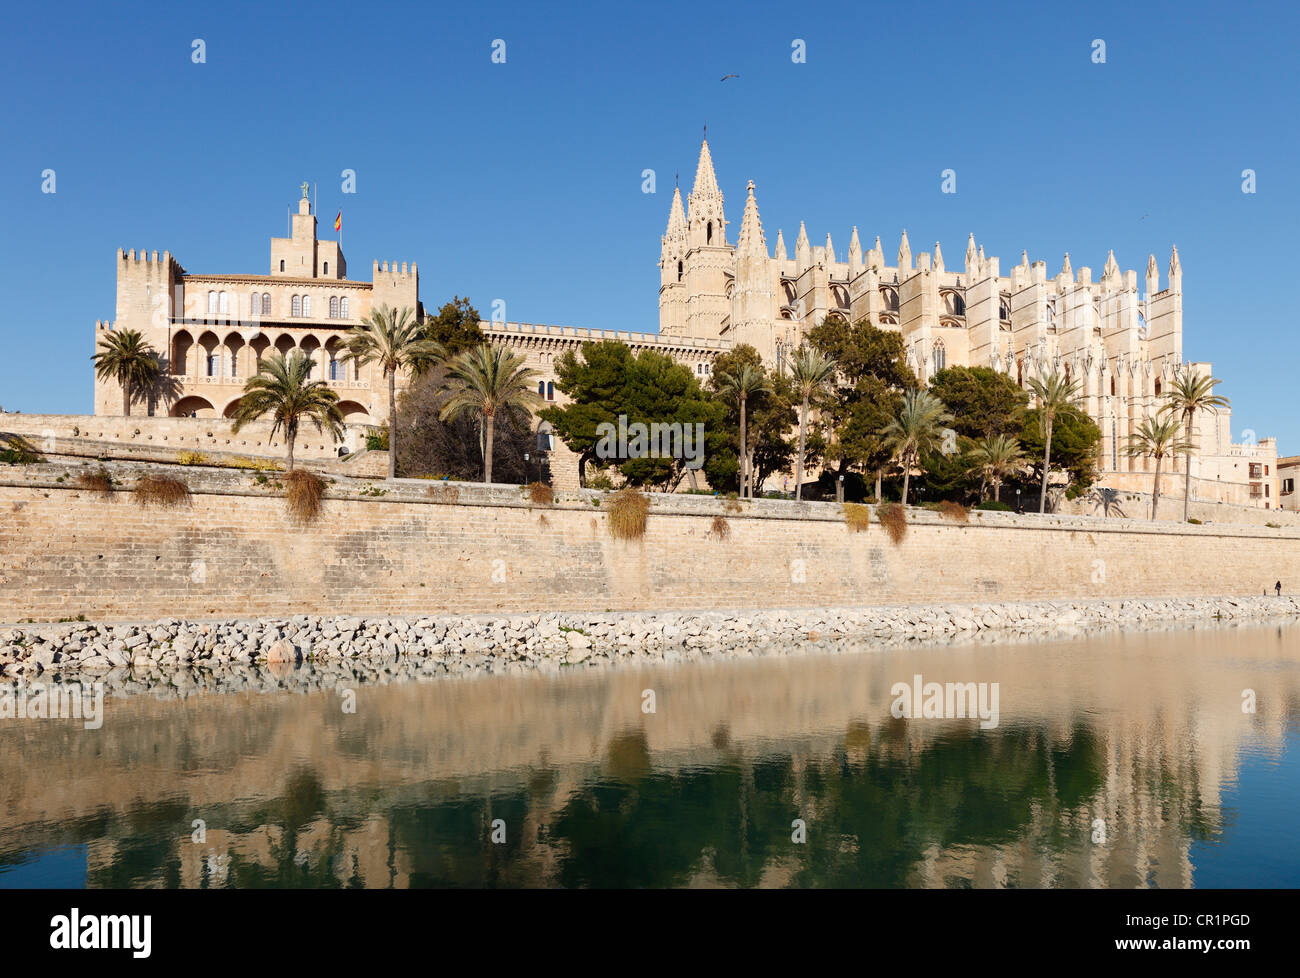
(488,381)
(395,341)
(126,357)
(1157,438)
(917,429)
(455,328)
(872,373)
(1188,395)
(1075,443)
(983,402)
(284,389)
(996,457)
(747,382)
(1051,393)
(769,418)
(811,372)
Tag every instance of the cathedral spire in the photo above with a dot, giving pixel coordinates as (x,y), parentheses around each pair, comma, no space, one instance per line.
(878,251)
(855,253)
(970,254)
(780,246)
(1066,269)
(676,217)
(707,223)
(1153,276)
(751,239)
(1175,271)
(1112,267)
(830,250)
(904,254)
(938,257)
(802,249)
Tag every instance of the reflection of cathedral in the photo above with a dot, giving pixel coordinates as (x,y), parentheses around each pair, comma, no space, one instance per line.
(1122,346)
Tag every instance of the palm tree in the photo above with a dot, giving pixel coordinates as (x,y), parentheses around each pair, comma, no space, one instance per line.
(997,457)
(1188,394)
(1052,394)
(394,340)
(489,380)
(126,357)
(1157,438)
(811,370)
(744,384)
(919,424)
(283,388)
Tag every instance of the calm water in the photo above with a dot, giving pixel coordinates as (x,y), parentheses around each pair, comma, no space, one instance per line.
(1117,761)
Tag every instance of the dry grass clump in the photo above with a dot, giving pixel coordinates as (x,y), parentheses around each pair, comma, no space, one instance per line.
(303,491)
(857,517)
(719,528)
(732,505)
(191,458)
(955,511)
(540,493)
(162,491)
(98,481)
(893,517)
(628,509)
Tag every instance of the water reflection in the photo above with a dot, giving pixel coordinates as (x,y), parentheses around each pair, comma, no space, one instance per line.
(1115,763)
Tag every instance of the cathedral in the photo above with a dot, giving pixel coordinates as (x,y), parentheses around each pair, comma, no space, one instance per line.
(1121,345)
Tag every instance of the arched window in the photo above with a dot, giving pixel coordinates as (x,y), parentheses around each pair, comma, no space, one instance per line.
(541,388)
(282,264)
(335,372)
(327,268)
(254,305)
(306,305)
(1112,387)
(223,302)
(550,390)
(214,365)
(343,308)
(708,233)
(679,271)
(1157,387)
(266,303)
(212,302)
(295,306)
(334,307)
(940,356)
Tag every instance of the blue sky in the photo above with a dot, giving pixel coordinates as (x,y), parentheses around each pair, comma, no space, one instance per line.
(522,181)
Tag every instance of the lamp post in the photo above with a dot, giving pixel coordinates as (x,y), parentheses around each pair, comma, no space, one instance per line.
(525,468)
(1017,499)
(839,489)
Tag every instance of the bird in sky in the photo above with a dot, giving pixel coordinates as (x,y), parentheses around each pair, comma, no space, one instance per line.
(725,77)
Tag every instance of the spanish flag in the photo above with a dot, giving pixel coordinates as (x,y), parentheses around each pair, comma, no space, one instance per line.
(338,222)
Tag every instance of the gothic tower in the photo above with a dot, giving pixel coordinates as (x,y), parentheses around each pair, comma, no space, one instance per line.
(672,271)
(708,256)
(753,299)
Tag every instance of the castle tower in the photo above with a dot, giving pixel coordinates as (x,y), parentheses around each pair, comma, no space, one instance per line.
(708,257)
(753,301)
(672,270)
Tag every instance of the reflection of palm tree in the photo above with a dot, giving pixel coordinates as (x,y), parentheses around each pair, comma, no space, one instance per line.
(1107,500)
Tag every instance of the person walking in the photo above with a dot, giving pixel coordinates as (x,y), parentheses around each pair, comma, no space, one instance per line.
(1278,588)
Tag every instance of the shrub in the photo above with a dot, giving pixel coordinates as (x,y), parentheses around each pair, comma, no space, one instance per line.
(303,491)
(162,490)
(993,505)
(1194,520)
(1276,526)
(98,481)
(857,517)
(954,511)
(600,481)
(628,509)
(16,450)
(377,441)
(893,517)
(732,505)
(719,528)
(191,458)
(256,464)
(540,493)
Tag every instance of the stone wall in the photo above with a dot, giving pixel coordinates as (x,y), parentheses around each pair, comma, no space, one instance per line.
(414,548)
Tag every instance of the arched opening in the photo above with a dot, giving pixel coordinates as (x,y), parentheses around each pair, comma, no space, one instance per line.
(311,347)
(1157,387)
(182,343)
(295,305)
(337,368)
(679,271)
(545,437)
(234,345)
(708,233)
(266,303)
(259,344)
(282,264)
(550,390)
(354,413)
(231,409)
(327,268)
(193,406)
(939,356)
(210,357)
(889,298)
(285,344)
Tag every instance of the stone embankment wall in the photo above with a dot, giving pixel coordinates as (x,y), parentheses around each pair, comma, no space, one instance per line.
(456,644)
(412,548)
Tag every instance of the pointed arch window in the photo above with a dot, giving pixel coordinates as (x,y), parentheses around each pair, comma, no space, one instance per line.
(266,303)
(306,305)
(541,388)
(550,390)
(327,268)
(343,307)
(708,233)
(939,356)
(334,307)
(295,306)
(212,302)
